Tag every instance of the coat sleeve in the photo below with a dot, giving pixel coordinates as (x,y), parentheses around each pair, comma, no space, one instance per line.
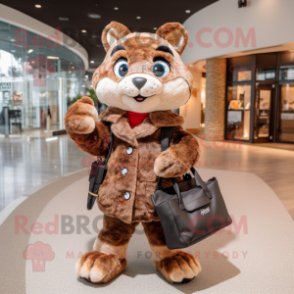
(182,154)
(82,125)
(96,143)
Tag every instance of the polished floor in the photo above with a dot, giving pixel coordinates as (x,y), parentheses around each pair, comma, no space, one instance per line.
(253,256)
(274,166)
(29,163)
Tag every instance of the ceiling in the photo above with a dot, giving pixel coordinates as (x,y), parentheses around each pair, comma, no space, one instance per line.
(152,13)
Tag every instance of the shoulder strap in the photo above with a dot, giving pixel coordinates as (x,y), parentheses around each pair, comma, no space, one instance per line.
(110,145)
(165,137)
(166,133)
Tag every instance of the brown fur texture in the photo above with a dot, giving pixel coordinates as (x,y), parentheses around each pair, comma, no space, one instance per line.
(175,34)
(154,233)
(175,265)
(116,232)
(146,162)
(93,140)
(116,31)
(141,51)
(98,267)
(180,267)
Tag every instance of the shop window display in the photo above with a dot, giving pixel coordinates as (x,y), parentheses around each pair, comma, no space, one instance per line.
(33,78)
(238,112)
(286,113)
(263,105)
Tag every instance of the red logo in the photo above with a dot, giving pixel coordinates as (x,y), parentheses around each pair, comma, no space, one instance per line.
(39,253)
(40,67)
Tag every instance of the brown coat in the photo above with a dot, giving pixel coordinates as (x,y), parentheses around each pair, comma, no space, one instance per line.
(142,171)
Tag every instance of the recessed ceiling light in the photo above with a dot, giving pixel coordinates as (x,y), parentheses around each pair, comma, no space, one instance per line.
(94,15)
(83,31)
(38,6)
(138,17)
(155,28)
(52,57)
(92,61)
(30,51)
(63,18)
(188,11)
(115,8)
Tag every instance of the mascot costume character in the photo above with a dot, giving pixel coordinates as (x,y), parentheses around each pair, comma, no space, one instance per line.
(141,80)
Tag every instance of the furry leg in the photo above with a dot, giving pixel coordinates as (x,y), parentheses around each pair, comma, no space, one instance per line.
(176,266)
(108,258)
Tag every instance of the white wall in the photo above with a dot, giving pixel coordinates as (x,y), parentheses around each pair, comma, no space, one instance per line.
(22,20)
(272,22)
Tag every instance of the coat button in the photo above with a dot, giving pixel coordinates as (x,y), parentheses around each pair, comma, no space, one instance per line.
(129,150)
(124,171)
(127,195)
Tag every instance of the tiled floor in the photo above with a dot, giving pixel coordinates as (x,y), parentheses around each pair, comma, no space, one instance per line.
(26,164)
(274,166)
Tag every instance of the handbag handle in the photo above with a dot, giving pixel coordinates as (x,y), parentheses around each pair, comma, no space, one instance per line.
(178,192)
(200,182)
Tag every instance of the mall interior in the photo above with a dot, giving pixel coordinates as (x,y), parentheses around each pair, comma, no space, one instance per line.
(241,110)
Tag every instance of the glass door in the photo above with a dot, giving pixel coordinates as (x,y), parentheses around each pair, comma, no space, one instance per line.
(263,117)
(286,114)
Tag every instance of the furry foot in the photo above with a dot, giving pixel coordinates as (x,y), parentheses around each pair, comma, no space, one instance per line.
(98,267)
(179,268)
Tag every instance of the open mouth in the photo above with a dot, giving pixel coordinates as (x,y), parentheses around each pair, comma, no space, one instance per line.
(140,98)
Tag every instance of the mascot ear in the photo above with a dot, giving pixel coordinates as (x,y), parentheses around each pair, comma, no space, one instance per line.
(113,32)
(175,34)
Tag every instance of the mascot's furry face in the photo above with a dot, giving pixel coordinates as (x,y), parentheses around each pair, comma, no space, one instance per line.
(143,72)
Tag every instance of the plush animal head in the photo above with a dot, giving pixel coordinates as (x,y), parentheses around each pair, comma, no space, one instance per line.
(143,72)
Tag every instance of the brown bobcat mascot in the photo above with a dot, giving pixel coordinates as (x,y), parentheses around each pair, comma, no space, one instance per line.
(141,79)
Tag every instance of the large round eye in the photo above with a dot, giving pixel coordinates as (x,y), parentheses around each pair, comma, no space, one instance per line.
(161,69)
(121,68)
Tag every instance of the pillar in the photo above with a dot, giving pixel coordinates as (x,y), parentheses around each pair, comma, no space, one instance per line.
(215,98)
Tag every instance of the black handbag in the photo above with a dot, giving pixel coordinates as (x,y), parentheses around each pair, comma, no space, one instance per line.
(191,210)
(97,174)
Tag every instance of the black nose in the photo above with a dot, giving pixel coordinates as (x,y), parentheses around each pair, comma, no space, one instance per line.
(139,82)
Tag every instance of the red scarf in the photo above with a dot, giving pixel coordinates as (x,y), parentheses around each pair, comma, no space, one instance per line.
(136,118)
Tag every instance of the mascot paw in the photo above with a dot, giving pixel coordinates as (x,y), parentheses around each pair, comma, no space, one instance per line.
(167,166)
(81,117)
(98,267)
(179,268)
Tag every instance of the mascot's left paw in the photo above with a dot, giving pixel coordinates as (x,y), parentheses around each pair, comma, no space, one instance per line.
(179,268)
(98,267)
(168,166)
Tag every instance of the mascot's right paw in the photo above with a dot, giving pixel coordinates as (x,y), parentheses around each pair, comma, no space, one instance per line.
(98,267)
(81,117)
(179,268)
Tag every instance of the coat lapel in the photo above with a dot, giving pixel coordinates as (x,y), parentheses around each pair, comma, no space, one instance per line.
(122,130)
